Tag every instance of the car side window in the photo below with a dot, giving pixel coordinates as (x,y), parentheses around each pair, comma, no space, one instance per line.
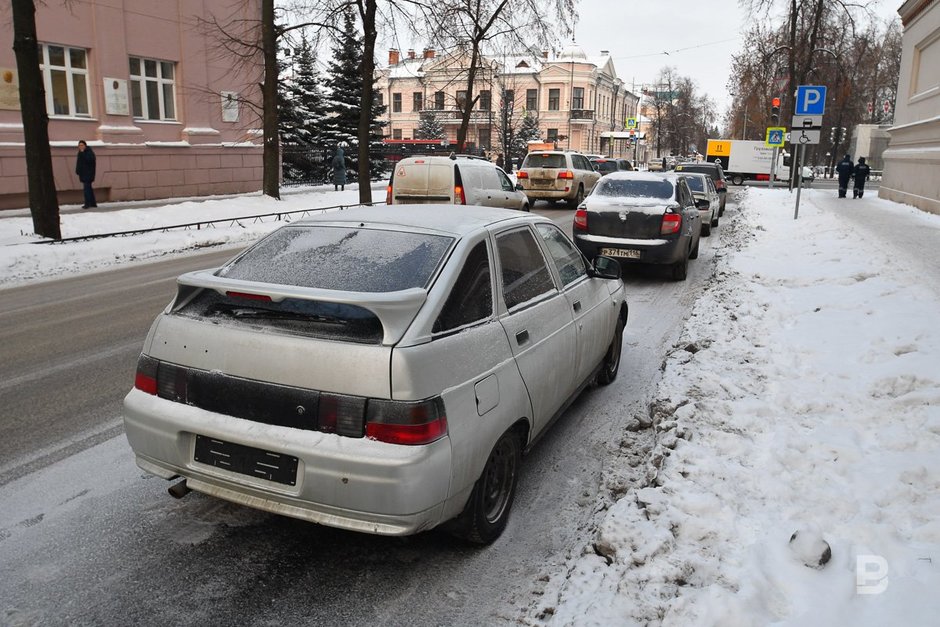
(524,273)
(471,298)
(490,178)
(566,257)
(505,182)
(581,163)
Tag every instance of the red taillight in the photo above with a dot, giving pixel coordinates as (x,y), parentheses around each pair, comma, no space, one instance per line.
(411,423)
(580,219)
(146,378)
(248,296)
(566,174)
(459,197)
(340,414)
(719,184)
(522,174)
(672,223)
(388,195)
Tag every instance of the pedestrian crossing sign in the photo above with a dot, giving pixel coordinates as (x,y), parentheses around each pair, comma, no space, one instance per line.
(631,123)
(776,136)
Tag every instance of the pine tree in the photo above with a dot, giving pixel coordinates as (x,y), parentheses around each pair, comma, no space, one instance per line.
(342,108)
(302,119)
(528,131)
(429,127)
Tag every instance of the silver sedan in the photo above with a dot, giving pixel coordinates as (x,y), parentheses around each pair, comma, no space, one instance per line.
(380,369)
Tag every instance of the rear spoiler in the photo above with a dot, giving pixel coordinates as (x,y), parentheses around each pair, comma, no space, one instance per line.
(395,310)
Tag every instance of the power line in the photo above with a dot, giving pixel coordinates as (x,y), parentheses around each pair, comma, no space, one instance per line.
(669,52)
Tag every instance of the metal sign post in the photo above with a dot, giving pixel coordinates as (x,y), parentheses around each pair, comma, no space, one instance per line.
(799,181)
(773,169)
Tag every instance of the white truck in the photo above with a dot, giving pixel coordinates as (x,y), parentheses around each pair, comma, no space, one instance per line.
(747,160)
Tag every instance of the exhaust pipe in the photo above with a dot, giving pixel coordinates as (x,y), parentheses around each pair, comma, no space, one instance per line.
(179,490)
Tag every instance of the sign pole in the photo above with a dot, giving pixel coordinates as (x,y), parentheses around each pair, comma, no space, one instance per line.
(773,169)
(799,181)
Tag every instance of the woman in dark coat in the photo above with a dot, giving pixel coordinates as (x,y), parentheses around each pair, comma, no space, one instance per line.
(339,170)
(845,170)
(85,169)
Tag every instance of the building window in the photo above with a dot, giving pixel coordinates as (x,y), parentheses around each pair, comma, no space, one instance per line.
(417,101)
(461,99)
(532,99)
(396,103)
(396,133)
(485,141)
(439,100)
(577,101)
(554,96)
(509,98)
(379,99)
(486,100)
(153,89)
(552,135)
(65,77)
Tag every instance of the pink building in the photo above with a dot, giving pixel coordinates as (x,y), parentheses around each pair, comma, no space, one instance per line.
(152,94)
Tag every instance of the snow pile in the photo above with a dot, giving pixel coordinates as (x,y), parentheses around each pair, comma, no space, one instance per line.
(795,478)
(21,259)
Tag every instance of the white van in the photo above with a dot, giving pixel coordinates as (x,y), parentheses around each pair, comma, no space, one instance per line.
(457,179)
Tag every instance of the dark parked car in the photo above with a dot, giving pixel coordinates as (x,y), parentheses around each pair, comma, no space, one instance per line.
(640,217)
(606,165)
(717,174)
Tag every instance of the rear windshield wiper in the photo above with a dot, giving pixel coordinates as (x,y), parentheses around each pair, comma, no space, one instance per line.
(260,313)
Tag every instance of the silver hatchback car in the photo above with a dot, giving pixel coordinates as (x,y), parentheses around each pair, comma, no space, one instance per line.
(380,369)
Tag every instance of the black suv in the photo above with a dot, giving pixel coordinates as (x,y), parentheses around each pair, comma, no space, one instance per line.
(717,175)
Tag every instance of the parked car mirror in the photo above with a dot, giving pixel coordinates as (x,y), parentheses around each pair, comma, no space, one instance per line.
(519,187)
(606,267)
(701,203)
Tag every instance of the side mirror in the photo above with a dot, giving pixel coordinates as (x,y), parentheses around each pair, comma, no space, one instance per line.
(519,187)
(701,203)
(606,267)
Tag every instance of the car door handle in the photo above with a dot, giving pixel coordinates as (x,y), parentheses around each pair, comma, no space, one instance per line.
(577,305)
(522,337)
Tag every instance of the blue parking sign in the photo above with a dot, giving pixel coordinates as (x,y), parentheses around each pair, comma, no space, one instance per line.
(810,100)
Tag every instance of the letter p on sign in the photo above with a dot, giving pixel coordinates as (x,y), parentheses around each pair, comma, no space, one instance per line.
(871,574)
(810,100)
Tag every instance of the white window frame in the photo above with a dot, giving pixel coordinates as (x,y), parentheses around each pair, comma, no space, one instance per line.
(141,80)
(70,73)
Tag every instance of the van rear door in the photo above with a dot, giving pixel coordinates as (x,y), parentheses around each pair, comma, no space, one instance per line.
(419,182)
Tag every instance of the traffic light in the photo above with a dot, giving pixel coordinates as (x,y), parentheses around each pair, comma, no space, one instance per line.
(775,110)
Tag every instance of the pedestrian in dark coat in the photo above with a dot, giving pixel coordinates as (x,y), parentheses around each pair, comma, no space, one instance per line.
(499,160)
(845,169)
(339,170)
(862,172)
(85,169)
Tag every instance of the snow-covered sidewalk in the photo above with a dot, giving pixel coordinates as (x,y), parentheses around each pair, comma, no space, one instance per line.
(802,398)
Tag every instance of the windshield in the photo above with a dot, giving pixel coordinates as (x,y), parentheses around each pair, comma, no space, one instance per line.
(543,160)
(696,183)
(342,258)
(634,188)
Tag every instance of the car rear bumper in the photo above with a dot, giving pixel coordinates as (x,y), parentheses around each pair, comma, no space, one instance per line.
(655,251)
(349,483)
(550,194)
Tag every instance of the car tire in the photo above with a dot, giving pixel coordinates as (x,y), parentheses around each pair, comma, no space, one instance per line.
(680,270)
(693,254)
(737,180)
(578,198)
(715,222)
(525,207)
(706,229)
(610,367)
(487,511)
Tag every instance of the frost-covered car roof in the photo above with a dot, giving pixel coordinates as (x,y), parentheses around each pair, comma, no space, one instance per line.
(449,219)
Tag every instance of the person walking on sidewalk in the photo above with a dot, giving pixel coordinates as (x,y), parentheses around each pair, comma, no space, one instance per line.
(85,169)
(862,172)
(845,169)
(339,170)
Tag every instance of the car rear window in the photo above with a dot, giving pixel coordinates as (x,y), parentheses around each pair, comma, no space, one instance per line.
(542,160)
(605,166)
(636,188)
(696,183)
(711,171)
(342,258)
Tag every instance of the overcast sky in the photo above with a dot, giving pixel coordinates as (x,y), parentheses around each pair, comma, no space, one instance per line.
(699,35)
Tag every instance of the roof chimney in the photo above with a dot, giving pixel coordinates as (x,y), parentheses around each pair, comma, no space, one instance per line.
(545,54)
(411,54)
(393,57)
(604,53)
(429,53)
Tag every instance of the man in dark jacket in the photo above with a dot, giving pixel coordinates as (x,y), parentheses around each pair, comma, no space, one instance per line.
(339,170)
(845,170)
(85,169)
(862,171)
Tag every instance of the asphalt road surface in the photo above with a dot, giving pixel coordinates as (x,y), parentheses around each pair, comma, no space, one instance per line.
(88,538)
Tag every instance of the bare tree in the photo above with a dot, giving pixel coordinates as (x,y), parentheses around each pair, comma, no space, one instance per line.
(43,203)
